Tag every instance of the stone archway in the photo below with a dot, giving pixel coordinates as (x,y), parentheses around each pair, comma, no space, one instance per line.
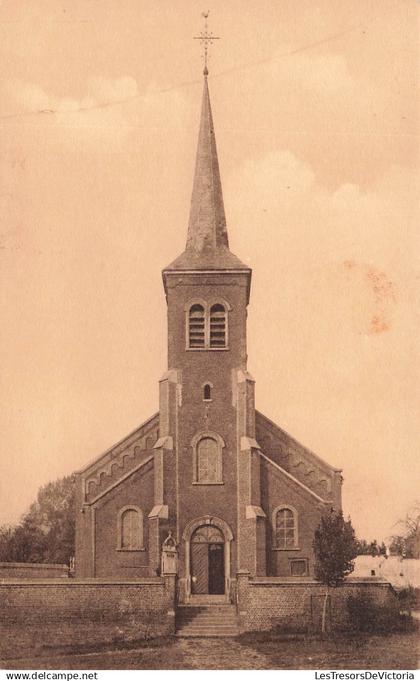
(190,531)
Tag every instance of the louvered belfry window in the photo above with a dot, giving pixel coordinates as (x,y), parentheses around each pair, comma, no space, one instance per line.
(207,327)
(217,326)
(196,327)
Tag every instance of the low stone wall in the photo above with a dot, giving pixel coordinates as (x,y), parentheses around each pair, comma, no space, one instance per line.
(33,570)
(103,610)
(266,603)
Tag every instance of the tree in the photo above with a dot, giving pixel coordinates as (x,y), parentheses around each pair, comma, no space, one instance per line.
(407,543)
(362,547)
(365,548)
(383,549)
(335,548)
(46,532)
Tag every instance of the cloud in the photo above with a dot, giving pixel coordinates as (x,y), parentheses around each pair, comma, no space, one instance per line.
(31,98)
(348,246)
(107,113)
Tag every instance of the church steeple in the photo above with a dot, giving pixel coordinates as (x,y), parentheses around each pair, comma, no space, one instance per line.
(207,224)
(207,244)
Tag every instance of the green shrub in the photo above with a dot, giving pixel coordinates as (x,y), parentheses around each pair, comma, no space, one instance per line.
(408,598)
(368,616)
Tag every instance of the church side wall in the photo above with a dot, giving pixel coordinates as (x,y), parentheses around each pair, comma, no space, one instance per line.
(88,612)
(276,491)
(110,560)
(112,471)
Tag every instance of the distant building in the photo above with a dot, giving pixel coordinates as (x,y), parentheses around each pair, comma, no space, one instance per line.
(400,572)
(235,490)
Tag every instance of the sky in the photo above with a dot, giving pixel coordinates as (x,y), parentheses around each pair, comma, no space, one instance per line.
(316,116)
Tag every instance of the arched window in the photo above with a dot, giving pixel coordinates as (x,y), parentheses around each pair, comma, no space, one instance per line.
(217,326)
(207,459)
(207,326)
(285,528)
(130,529)
(207,392)
(196,327)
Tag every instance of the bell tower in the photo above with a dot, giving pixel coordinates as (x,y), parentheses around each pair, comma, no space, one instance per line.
(206,463)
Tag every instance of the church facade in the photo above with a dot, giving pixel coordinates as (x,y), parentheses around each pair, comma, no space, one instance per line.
(234,491)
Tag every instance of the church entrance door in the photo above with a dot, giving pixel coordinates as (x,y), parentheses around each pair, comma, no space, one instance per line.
(207,561)
(216,569)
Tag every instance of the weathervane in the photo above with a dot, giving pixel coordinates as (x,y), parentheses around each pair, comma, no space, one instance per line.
(206,39)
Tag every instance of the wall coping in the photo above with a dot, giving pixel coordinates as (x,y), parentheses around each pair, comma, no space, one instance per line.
(287,581)
(94,581)
(44,566)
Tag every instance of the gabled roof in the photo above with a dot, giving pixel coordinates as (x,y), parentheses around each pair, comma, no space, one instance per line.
(207,241)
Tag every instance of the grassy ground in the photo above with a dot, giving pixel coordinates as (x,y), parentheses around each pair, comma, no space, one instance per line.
(394,651)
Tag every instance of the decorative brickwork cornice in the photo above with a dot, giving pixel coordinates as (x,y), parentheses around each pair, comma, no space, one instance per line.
(118,462)
(294,480)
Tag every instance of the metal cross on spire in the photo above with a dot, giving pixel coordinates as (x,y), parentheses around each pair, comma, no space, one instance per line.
(206,39)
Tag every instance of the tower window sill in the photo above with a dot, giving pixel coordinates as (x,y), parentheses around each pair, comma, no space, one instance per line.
(207,483)
(141,548)
(290,548)
(207,349)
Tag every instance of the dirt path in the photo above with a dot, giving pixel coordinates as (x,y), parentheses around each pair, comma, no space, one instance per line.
(220,653)
(393,651)
(183,653)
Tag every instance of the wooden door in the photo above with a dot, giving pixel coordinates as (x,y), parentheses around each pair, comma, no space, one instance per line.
(200,568)
(216,569)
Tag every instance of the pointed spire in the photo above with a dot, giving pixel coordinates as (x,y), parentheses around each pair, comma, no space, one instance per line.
(207,224)
(207,240)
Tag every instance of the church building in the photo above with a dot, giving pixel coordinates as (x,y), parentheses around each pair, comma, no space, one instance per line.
(232,489)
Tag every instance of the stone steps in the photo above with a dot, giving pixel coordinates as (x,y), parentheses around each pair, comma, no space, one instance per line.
(207,633)
(206,621)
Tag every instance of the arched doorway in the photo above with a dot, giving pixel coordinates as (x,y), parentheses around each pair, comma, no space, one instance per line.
(207,561)
(207,558)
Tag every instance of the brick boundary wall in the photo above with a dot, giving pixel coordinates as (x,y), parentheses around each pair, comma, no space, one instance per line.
(33,570)
(136,609)
(296,605)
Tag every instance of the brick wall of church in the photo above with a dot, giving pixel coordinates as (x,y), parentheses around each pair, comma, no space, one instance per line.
(98,535)
(110,561)
(277,490)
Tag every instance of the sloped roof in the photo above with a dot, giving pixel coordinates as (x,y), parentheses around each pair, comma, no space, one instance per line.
(222,259)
